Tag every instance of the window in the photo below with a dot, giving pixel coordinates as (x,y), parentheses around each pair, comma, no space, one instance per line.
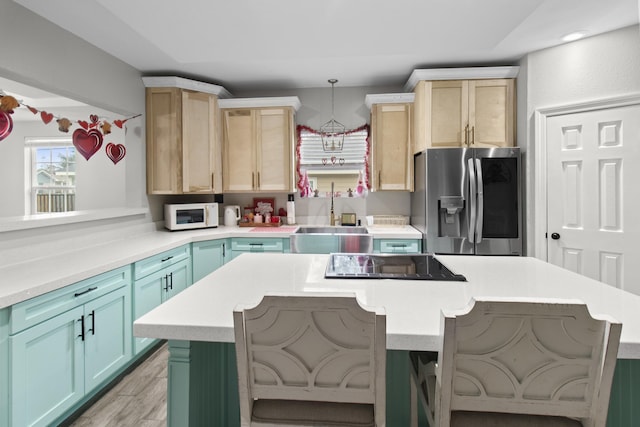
(347,168)
(52,175)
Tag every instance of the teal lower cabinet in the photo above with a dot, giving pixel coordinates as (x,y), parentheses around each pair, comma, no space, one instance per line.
(241,245)
(152,290)
(207,257)
(66,344)
(203,388)
(397,246)
(47,375)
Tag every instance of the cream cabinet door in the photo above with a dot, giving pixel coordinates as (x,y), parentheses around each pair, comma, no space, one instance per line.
(275,149)
(449,113)
(391,156)
(183,143)
(201,155)
(464,113)
(258,150)
(491,113)
(239,150)
(164,118)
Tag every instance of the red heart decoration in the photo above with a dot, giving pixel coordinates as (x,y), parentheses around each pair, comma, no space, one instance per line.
(87,143)
(84,124)
(93,118)
(6,125)
(118,123)
(115,152)
(46,117)
(33,110)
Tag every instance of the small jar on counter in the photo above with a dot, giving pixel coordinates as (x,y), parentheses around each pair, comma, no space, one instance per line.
(257,218)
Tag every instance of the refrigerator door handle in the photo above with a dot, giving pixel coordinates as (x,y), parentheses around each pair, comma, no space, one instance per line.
(472,198)
(480,210)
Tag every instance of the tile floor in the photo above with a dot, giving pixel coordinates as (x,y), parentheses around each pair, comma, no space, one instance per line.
(138,400)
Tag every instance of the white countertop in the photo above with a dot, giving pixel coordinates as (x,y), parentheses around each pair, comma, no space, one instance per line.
(32,271)
(203,312)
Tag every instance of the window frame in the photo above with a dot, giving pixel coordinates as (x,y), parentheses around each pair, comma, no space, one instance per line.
(32,144)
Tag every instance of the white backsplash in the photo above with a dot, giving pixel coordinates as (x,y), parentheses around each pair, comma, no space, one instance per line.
(315,210)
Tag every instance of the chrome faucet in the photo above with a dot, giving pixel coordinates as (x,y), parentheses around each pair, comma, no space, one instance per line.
(332,217)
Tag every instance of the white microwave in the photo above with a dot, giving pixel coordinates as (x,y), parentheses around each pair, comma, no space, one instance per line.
(191,215)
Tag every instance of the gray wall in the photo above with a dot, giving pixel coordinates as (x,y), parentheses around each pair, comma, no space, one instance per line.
(44,55)
(594,68)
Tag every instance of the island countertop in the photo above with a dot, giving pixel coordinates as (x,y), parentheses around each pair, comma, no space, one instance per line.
(203,312)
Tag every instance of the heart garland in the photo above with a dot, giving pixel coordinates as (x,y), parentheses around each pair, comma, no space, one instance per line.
(87,142)
(115,152)
(6,124)
(46,117)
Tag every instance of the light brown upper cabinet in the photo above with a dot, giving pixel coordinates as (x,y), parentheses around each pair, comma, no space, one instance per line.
(258,149)
(459,113)
(183,142)
(391,158)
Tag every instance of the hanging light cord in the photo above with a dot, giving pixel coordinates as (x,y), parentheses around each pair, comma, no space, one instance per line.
(333,82)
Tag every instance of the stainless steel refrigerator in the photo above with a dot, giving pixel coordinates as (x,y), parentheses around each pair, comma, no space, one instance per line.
(468,201)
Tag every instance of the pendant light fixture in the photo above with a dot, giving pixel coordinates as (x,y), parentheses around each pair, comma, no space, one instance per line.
(332,132)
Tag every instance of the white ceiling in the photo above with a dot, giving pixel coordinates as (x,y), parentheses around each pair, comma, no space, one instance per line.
(247,45)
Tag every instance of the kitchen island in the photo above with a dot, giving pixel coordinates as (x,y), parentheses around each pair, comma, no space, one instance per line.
(199,325)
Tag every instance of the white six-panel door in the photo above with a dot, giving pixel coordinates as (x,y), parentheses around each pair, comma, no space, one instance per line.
(593,193)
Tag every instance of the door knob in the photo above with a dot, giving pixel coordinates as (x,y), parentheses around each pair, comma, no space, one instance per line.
(555,236)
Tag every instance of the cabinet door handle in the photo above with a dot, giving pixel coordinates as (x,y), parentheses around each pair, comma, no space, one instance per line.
(166,259)
(473,134)
(93,322)
(379,179)
(466,135)
(171,281)
(213,181)
(253,180)
(224,248)
(258,180)
(77,294)
(81,320)
(166,283)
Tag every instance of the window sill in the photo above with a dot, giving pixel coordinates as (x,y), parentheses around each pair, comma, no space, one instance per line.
(48,220)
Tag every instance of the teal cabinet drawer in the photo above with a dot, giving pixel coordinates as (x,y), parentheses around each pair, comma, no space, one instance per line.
(246,244)
(399,246)
(35,310)
(154,263)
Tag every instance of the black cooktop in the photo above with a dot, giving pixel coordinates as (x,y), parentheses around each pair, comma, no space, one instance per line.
(388,266)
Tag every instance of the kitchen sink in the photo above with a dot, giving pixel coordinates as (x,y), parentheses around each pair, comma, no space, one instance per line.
(329,239)
(328,229)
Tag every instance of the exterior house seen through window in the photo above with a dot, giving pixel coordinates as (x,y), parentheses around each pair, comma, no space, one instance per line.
(53,175)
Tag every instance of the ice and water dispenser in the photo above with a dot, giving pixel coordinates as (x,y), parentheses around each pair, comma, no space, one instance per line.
(451,210)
